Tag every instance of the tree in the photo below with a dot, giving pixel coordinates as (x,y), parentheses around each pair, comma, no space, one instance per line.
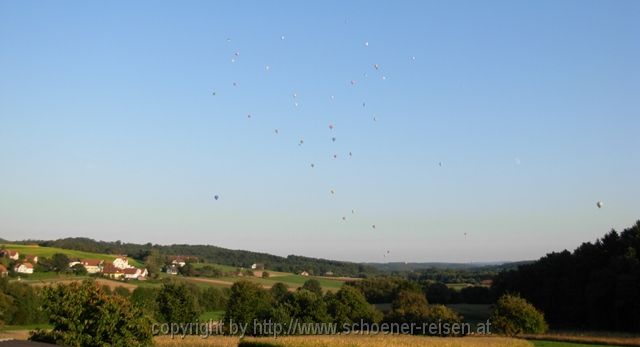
(597,286)
(265,274)
(213,299)
(409,307)
(513,315)
(349,306)
(308,307)
(176,303)
(154,262)
(438,293)
(187,270)
(145,299)
(79,270)
(60,262)
(83,315)
(440,314)
(280,292)
(248,303)
(313,286)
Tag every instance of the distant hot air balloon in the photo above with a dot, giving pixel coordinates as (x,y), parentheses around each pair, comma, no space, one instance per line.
(330,126)
(216,197)
(344,218)
(599,204)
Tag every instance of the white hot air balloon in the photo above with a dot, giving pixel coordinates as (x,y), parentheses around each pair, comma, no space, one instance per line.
(599,204)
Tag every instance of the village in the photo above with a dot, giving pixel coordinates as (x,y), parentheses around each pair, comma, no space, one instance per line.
(119,268)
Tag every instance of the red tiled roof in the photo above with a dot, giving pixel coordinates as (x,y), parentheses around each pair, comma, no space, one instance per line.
(3,269)
(28,265)
(110,269)
(130,271)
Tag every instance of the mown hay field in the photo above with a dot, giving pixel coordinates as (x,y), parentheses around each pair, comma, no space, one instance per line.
(344,341)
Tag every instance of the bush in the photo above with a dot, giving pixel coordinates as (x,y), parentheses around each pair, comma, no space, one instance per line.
(313,286)
(176,303)
(349,306)
(83,315)
(409,307)
(513,315)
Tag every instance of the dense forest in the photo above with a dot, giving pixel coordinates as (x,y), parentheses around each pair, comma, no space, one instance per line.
(597,286)
(218,255)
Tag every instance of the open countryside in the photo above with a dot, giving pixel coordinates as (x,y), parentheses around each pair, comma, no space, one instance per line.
(320,173)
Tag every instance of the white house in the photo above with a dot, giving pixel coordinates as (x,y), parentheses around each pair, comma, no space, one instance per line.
(304,273)
(135,273)
(179,261)
(23,268)
(121,263)
(93,266)
(257,266)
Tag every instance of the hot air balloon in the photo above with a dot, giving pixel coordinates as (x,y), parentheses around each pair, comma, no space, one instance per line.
(599,204)
(216,197)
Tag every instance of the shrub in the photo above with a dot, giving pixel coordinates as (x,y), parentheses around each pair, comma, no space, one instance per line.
(176,303)
(83,315)
(513,315)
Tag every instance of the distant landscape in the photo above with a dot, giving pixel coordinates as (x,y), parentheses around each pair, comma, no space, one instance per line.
(320,173)
(217,281)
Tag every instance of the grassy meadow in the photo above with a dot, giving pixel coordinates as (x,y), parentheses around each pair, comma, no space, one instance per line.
(47,252)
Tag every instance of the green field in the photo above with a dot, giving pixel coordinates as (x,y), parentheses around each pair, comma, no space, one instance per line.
(224,268)
(47,252)
(292,281)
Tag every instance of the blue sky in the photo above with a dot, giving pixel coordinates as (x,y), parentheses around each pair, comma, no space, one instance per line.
(109,128)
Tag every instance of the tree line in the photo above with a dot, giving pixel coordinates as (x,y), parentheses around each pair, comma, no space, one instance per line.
(218,255)
(597,286)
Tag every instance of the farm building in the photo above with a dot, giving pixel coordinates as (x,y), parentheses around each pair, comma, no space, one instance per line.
(257,266)
(121,262)
(111,271)
(3,271)
(171,270)
(135,273)
(92,265)
(31,259)
(13,255)
(23,268)
(304,273)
